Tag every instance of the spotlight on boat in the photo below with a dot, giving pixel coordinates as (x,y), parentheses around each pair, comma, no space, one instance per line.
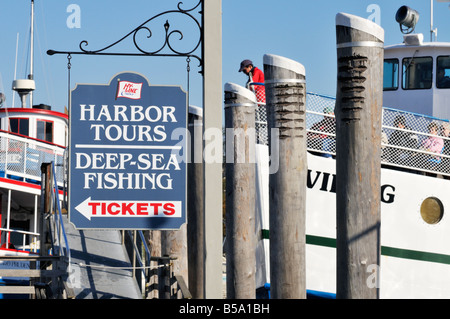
(407,19)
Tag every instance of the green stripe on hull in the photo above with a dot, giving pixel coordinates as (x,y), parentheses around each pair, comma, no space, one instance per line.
(385,251)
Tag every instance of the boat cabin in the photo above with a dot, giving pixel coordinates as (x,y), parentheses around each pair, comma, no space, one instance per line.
(39,122)
(417,77)
(28,138)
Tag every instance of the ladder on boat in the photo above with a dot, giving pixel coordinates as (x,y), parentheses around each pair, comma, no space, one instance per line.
(45,278)
(42,275)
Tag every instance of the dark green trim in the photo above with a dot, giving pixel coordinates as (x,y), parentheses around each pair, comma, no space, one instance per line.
(321,241)
(415,255)
(385,251)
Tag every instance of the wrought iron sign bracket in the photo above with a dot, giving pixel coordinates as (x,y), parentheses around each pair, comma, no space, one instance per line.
(167,48)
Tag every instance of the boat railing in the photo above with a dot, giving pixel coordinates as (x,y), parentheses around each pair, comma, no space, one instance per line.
(60,243)
(262,134)
(139,254)
(402,148)
(21,158)
(33,239)
(30,239)
(154,275)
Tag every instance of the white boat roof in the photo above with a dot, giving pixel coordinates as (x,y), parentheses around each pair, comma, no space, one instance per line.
(420,44)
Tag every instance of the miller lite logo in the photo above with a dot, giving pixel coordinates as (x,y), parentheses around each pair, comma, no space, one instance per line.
(129,90)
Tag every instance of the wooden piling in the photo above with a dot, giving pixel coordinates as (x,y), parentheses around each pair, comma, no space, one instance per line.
(285,99)
(358,120)
(45,209)
(195,218)
(174,245)
(240,106)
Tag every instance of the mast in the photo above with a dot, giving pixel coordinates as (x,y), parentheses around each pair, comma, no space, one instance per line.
(26,87)
(431,23)
(433,30)
(30,76)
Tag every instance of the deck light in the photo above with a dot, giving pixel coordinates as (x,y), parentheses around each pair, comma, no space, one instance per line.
(407,19)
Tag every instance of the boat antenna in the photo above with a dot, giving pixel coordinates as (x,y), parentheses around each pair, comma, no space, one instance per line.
(30,76)
(433,31)
(15,66)
(26,87)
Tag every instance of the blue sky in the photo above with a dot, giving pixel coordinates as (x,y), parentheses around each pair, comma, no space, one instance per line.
(300,30)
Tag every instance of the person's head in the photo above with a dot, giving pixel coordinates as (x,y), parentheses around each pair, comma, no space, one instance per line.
(246,66)
(433,128)
(400,121)
(328,110)
(440,73)
(446,129)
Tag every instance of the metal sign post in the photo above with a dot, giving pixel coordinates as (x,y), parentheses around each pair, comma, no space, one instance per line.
(127,171)
(212,121)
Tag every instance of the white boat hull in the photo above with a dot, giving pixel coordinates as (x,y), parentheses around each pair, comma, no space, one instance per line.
(415,261)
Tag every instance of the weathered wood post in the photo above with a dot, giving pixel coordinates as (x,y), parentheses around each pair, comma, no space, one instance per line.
(187,243)
(285,99)
(195,204)
(46,192)
(154,240)
(240,106)
(358,121)
(174,244)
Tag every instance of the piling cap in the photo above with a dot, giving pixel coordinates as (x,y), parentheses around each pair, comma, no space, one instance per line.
(282,62)
(196,110)
(355,22)
(235,88)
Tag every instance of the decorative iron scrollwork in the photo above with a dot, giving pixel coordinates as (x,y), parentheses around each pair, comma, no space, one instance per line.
(166,49)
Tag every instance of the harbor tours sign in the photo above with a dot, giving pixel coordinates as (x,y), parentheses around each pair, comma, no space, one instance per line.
(126,155)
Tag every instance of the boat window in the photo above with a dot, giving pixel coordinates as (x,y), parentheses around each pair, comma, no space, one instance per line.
(45,131)
(18,125)
(417,73)
(443,72)
(17,238)
(390,74)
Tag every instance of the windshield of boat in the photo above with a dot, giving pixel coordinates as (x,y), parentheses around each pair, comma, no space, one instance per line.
(417,73)
(443,72)
(390,74)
